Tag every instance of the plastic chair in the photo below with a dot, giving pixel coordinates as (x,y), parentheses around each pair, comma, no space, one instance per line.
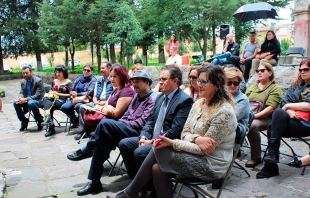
(294,50)
(194,184)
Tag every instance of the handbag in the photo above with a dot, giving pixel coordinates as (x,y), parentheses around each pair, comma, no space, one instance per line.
(92,118)
(83,99)
(51,95)
(257,106)
(303,115)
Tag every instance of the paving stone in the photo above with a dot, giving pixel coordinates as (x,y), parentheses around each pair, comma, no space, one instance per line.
(44,150)
(68,184)
(5,156)
(24,175)
(63,170)
(29,189)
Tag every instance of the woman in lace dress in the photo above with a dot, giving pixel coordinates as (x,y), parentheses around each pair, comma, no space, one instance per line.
(206,145)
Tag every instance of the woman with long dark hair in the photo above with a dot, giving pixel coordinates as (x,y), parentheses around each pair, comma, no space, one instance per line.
(268,52)
(192,89)
(173,42)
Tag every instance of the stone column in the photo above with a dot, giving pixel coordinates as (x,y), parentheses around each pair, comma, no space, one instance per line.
(302,24)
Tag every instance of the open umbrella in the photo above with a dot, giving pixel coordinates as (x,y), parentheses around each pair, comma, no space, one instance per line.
(255,11)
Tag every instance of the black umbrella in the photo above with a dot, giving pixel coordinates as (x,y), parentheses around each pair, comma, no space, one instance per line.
(255,11)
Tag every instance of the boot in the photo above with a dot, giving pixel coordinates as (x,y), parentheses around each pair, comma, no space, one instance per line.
(74,122)
(51,130)
(269,170)
(48,120)
(272,155)
(24,125)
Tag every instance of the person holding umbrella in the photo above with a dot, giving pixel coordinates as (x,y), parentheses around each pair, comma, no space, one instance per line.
(268,52)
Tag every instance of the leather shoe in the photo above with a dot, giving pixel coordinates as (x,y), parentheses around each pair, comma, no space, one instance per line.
(79,155)
(40,127)
(24,125)
(79,135)
(90,188)
(296,162)
(253,163)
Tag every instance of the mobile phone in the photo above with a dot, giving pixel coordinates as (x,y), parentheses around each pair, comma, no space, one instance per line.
(158,141)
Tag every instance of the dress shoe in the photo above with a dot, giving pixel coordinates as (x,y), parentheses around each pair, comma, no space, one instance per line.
(47,121)
(51,131)
(79,135)
(296,162)
(24,125)
(90,188)
(79,155)
(269,170)
(253,163)
(40,127)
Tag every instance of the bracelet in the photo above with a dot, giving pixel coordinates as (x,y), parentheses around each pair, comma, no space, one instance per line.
(195,139)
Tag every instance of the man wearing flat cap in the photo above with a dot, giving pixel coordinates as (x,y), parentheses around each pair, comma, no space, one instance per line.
(110,132)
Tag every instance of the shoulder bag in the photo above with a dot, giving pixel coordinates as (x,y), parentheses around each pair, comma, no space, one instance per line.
(257,106)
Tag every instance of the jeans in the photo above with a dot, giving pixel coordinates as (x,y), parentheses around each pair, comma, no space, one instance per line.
(220,59)
(32,105)
(68,109)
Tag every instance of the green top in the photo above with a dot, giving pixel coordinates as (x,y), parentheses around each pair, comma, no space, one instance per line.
(274,98)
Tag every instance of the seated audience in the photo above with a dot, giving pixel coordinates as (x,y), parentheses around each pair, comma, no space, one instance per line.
(83,86)
(31,92)
(192,89)
(242,105)
(230,49)
(137,66)
(247,55)
(102,91)
(292,120)
(205,148)
(109,131)
(175,59)
(268,91)
(61,87)
(168,117)
(118,100)
(268,52)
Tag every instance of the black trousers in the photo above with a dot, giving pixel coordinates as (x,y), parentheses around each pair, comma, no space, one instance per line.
(283,126)
(105,138)
(133,155)
(47,103)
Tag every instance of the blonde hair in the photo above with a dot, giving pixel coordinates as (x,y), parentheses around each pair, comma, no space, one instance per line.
(232,72)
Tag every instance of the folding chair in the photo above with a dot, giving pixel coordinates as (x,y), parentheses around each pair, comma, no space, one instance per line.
(113,165)
(294,50)
(194,184)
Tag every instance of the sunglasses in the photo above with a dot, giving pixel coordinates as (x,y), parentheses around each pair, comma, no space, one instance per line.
(202,82)
(87,70)
(192,77)
(304,70)
(163,79)
(261,70)
(233,83)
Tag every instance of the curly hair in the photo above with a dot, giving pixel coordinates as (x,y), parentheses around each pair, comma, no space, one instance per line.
(216,76)
(299,79)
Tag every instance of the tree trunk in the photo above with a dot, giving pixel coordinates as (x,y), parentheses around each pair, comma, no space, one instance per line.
(205,43)
(92,52)
(72,55)
(161,50)
(39,61)
(107,52)
(1,60)
(112,53)
(144,54)
(66,56)
(98,48)
(122,52)
(213,39)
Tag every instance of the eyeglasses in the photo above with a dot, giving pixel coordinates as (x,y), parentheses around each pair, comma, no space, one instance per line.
(261,70)
(233,83)
(202,82)
(163,79)
(304,70)
(192,77)
(87,70)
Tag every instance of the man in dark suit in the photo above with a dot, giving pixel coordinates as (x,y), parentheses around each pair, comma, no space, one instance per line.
(31,92)
(178,104)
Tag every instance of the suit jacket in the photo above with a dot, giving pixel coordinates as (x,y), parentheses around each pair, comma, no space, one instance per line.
(37,89)
(175,118)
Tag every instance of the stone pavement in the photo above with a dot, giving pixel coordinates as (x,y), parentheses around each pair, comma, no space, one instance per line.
(35,166)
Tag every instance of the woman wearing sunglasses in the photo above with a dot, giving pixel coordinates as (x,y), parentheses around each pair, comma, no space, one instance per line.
(265,89)
(292,120)
(192,89)
(61,87)
(205,148)
(233,80)
(83,86)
